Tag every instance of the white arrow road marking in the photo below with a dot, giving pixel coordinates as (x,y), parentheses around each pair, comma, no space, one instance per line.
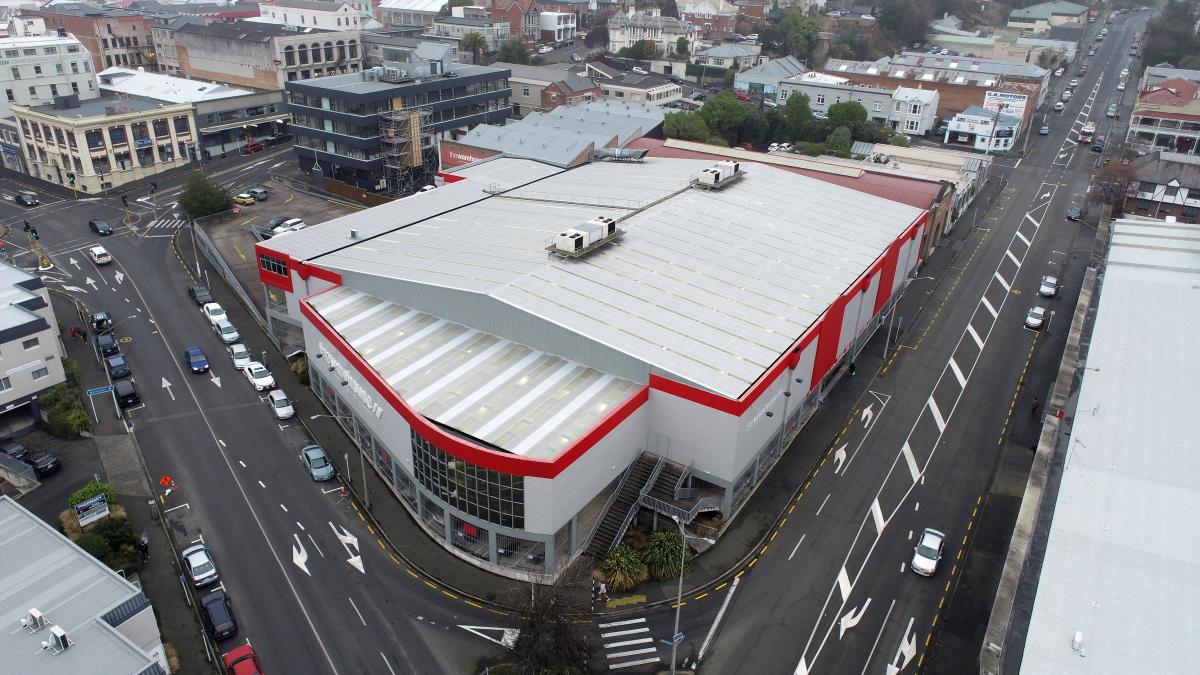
(1045,196)
(73,262)
(215,380)
(299,555)
(802,667)
(119,276)
(851,619)
(839,456)
(74,289)
(508,636)
(905,652)
(868,415)
(90,282)
(349,541)
(167,385)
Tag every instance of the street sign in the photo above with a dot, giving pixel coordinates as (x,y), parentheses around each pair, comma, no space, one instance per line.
(91,510)
(96,391)
(678,637)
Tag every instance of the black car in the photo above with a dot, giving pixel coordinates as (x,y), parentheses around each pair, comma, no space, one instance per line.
(127,394)
(217,614)
(199,294)
(43,463)
(279,138)
(26,199)
(118,368)
(13,449)
(101,322)
(1074,214)
(100,227)
(107,345)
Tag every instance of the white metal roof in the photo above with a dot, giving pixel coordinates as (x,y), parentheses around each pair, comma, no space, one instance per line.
(708,287)
(165,87)
(413,5)
(1123,554)
(512,396)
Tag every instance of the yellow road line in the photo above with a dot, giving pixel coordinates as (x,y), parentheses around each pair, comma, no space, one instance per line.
(448,594)
(473,604)
(721,586)
(701,596)
(431,584)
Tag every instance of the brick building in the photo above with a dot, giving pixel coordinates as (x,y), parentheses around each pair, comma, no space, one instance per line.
(713,19)
(114,37)
(544,88)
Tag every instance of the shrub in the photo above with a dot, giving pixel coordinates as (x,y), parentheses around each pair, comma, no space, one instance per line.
(623,569)
(71,369)
(300,368)
(91,490)
(664,554)
(68,423)
(95,544)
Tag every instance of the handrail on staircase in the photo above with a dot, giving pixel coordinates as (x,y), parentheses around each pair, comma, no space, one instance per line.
(680,491)
(633,508)
(611,498)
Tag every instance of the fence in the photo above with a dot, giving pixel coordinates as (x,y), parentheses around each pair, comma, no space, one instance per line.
(17,474)
(206,246)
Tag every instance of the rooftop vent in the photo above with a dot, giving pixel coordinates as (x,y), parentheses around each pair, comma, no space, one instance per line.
(34,620)
(58,642)
(585,238)
(718,176)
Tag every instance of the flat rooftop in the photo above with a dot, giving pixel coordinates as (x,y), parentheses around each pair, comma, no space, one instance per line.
(1122,562)
(40,568)
(99,107)
(708,288)
(361,83)
(514,397)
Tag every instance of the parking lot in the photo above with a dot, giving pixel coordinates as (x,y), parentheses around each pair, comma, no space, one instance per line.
(235,238)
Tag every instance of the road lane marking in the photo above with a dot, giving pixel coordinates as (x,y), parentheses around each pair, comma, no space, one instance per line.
(937,415)
(843,582)
(871,654)
(988,306)
(242,463)
(794,549)
(614,624)
(626,643)
(385,662)
(823,503)
(877,515)
(1005,284)
(619,633)
(360,616)
(262,484)
(958,374)
(299,526)
(314,543)
(630,664)
(283,507)
(910,460)
(975,336)
(633,652)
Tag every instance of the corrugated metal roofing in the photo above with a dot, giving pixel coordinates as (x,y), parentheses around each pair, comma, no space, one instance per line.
(709,287)
(512,396)
(1121,559)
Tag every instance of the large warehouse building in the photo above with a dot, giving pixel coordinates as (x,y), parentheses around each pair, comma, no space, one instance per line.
(506,392)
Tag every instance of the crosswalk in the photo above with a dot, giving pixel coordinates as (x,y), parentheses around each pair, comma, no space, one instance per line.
(167,223)
(627,644)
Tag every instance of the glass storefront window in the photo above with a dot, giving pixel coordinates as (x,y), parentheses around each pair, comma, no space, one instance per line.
(483,493)
(469,537)
(434,516)
(522,553)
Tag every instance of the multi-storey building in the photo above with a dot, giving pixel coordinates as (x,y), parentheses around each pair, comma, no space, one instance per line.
(399,44)
(114,37)
(40,65)
(409,12)
(338,120)
(911,111)
(712,19)
(624,30)
(1168,185)
(544,88)
(30,351)
(162,33)
(521,15)
(633,88)
(1166,116)
(264,56)
(337,15)
(455,27)
(557,26)
(100,144)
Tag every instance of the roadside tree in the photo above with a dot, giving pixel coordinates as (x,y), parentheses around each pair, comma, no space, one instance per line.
(202,197)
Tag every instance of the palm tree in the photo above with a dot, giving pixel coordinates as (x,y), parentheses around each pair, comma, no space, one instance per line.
(475,43)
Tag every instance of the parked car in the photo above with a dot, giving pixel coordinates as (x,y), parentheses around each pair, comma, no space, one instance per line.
(253,147)
(699,96)
(1058,72)
(1098,144)
(1049,287)
(1121,85)
(1044,131)
(1111,111)
(289,225)
(199,294)
(242,660)
(1059,106)
(1074,213)
(100,227)
(126,393)
(101,322)
(545,49)
(14,450)
(258,192)
(43,463)
(217,614)
(280,405)
(240,355)
(317,463)
(279,138)
(226,331)
(118,368)
(107,345)
(1066,96)
(199,566)
(99,255)
(1073,83)
(1035,318)
(213,312)
(741,96)
(575,58)
(26,198)
(244,199)
(638,70)
(928,552)
(770,103)
(194,358)
(258,375)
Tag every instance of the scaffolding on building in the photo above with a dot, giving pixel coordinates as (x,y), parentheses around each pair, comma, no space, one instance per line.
(407,163)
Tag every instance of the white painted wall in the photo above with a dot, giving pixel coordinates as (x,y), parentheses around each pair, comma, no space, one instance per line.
(707,436)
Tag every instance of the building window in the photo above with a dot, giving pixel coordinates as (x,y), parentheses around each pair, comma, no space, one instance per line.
(54,90)
(40,373)
(9,94)
(914,109)
(896,106)
(58,68)
(30,344)
(116,135)
(16,73)
(525,91)
(483,493)
(29,52)
(11,53)
(37,70)
(32,91)
(160,128)
(274,265)
(74,87)
(820,99)
(181,125)
(912,125)
(877,106)
(51,50)
(5,384)
(74,67)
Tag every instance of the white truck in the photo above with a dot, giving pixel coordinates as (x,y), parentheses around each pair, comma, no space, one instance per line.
(1088,132)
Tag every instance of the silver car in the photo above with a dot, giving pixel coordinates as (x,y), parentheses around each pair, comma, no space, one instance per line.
(1035,318)
(928,552)
(280,405)
(199,565)
(240,355)
(317,462)
(226,331)
(1048,287)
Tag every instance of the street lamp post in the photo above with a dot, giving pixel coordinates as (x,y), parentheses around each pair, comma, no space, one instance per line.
(362,461)
(679,593)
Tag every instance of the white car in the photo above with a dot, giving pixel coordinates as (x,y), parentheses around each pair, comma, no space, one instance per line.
(639,70)
(545,49)
(280,405)
(240,355)
(292,225)
(213,312)
(928,552)
(769,103)
(1121,85)
(1058,72)
(259,376)
(199,565)
(1035,318)
(1058,107)
(1073,83)
(99,255)
(1049,287)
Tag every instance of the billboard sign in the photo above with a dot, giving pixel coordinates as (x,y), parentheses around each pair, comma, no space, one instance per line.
(1006,103)
(91,510)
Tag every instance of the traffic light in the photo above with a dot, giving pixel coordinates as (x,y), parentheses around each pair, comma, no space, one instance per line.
(125,200)
(33,232)
(70,178)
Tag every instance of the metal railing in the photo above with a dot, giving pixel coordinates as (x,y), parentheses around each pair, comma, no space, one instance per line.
(685,516)
(608,504)
(685,492)
(633,508)
(210,251)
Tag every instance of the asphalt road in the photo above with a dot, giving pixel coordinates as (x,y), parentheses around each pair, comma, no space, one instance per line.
(282,543)
(836,594)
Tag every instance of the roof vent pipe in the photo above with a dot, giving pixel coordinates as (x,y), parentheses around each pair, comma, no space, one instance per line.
(353,233)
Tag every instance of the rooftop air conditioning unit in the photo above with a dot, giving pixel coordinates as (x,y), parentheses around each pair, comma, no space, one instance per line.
(59,642)
(570,241)
(606,225)
(34,620)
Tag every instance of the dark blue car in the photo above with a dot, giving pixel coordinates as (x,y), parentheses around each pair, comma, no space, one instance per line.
(195,359)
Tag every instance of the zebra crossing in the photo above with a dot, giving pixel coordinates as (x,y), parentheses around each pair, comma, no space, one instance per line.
(167,223)
(627,644)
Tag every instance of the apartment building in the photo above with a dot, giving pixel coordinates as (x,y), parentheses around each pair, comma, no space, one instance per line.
(265,56)
(30,351)
(103,143)
(455,27)
(1166,116)
(409,12)
(336,16)
(40,65)
(113,36)
(162,33)
(557,26)
(624,30)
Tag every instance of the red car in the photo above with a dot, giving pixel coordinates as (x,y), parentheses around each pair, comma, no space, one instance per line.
(253,147)
(741,95)
(242,660)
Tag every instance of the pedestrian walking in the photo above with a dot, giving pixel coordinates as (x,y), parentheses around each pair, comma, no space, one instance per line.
(1037,403)
(603,593)
(74,332)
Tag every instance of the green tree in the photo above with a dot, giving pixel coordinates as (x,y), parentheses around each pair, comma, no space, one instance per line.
(665,553)
(681,46)
(839,141)
(1169,35)
(796,113)
(94,544)
(688,126)
(753,128)
(639,50)
(202,197)
(597,37)
(847,114)
(723,114)
(900,140)
(905,21)
(475,44)
(623,568)
(553,639)
(92,489)
(513,51)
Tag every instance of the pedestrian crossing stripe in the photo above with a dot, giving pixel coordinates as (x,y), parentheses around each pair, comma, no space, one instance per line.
(168,223)
(628,642)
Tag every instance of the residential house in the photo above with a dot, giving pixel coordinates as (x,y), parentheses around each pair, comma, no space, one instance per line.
(914,111)
(711,19)
(264,56)
(1166,116)
(587,12)
(544,88)
(113,37)
(983,129)
(521,15)
(42,65)
(1041,17)
(764,79)
(1168,184)
(409,12)
(339,15)
(30,349)
(910,111)
(1165,71)
(727,54)
(624,30)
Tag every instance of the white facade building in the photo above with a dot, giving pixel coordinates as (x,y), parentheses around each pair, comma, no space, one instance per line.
(624,30)
(913,110)
(30,351)
(907,110)
(409,12)
(312,14)
(982,129)
(39,65)
(557,26)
